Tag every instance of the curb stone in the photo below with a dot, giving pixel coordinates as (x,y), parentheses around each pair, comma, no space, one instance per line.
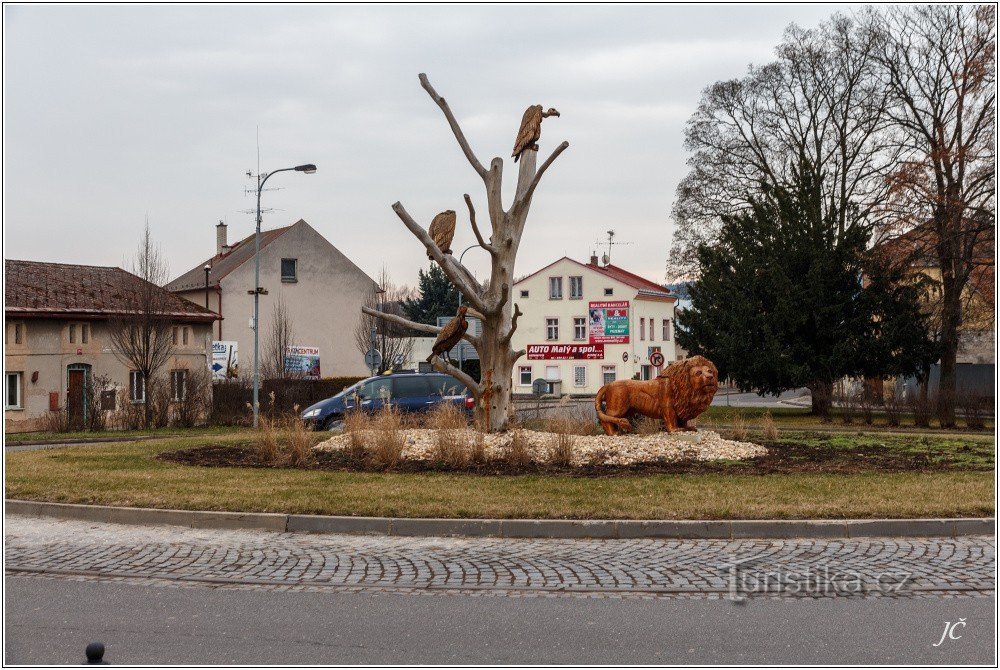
(511,528)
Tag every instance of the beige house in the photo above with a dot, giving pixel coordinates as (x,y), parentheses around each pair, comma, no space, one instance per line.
(57,342)
(321,289)
(585,325)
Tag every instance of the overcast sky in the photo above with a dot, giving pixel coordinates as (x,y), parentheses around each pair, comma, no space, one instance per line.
(113,113)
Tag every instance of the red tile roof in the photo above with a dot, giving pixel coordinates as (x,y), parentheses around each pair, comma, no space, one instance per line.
(64,290)
(222,265)
(644,286)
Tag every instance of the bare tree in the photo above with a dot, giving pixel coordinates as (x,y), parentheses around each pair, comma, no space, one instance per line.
(141,335)
(938,63)
(392,339)
(491,303)
(820,100)
(280,336)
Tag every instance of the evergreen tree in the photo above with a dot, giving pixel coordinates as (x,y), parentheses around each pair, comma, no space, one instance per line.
(790,297)
(438,297)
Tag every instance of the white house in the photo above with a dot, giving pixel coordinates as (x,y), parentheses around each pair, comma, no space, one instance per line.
(585,325)
(322,290)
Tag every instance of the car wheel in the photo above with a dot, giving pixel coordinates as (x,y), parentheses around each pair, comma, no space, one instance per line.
(334,423)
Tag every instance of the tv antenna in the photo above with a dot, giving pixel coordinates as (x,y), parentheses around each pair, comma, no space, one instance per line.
(611,243)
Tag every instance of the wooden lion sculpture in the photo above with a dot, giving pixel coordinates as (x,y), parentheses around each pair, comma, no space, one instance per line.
(681,392)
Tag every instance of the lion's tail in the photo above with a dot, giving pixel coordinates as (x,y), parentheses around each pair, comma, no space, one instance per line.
(605,418)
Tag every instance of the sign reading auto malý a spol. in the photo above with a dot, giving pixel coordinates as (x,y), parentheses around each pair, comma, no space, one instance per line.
(608,322)
(565,352)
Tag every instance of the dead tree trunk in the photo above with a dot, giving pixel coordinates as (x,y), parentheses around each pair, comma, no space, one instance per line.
(493,305)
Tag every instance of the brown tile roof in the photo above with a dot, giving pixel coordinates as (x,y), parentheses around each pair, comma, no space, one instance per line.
(643,285)
(64,290)
(222,265)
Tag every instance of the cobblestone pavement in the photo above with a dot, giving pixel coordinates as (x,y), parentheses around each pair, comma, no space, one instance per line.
(871,567)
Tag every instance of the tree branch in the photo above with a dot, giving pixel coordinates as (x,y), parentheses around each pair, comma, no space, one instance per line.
(513,326)
(475,229)
(526,196)
(422,327)
(457,273)
(455,128)
(447,368)
(504,296)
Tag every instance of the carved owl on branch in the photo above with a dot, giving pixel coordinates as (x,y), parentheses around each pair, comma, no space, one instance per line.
(450,335)
(531,129)
(442,231)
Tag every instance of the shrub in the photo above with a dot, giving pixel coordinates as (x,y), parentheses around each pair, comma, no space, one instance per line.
(386,450)
(974,406)
(299,441)
(516,453)
(647,425)
(597,458)
(266,440)
(893,405)
(56,421)
(356,423)
(768,427)
(921,407)
(738,425)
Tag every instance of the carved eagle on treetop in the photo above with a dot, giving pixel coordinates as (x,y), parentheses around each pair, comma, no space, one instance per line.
(442,231)
(531,129)
(450,335)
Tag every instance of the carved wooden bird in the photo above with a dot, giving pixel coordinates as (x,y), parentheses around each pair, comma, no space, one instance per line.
(450,335)
(531,129)
(442,231)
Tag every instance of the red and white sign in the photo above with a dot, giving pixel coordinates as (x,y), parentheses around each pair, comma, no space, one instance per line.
(656,359)
(608,322)
(565,352)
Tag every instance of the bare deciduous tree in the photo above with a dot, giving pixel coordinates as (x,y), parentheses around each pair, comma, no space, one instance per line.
(491,303)
(938,64)
(392,339)
(820,100)
(280,336)
(141,336)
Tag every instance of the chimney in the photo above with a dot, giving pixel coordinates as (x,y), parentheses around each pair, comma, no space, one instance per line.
(221,244)
(593,260)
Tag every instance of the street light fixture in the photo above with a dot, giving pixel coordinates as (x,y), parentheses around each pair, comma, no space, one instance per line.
(307,168)
(461,345)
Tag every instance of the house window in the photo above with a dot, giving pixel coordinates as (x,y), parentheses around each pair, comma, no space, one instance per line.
(136,386)
(184,335)
(13,400)
(524,294)
(666,330)
(552,373)
(84,333)
(579,328)
(608,373)
(288,269)
(579,375)
(178,385)
(652,329)
(18,333)
(524,375)
(72,333)
(642,329)
(609,291)
(173,335)
(575,288)
(555,288)
(551,329)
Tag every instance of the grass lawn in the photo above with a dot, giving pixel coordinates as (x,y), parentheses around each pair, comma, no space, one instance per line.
(87,435)
(127,474)
(791,417)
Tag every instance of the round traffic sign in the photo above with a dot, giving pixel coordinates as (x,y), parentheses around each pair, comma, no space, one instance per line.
(656,359)
(373,358)
(625,356)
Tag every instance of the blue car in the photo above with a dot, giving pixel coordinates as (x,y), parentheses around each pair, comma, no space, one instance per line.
(411,392)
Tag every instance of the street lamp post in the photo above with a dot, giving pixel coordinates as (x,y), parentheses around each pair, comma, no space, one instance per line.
(308,168)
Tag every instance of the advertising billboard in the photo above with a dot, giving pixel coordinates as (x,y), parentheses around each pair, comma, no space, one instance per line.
(225,360)
(302,362)
(608,322)
(565,352)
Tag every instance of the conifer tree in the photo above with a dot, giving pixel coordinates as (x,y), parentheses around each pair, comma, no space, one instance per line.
(438,297)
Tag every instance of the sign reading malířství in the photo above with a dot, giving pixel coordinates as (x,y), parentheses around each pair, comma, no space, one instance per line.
(225,361)
(302,362)
(608,322)
(565,352)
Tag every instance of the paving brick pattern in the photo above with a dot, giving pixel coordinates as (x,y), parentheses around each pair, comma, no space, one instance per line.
(869,567)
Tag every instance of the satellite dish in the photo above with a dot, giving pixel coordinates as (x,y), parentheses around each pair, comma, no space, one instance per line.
(605,259)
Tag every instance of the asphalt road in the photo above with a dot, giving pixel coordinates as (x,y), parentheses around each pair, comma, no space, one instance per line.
(50,621)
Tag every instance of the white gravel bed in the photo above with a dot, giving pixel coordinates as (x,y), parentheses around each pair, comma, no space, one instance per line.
(619,449)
